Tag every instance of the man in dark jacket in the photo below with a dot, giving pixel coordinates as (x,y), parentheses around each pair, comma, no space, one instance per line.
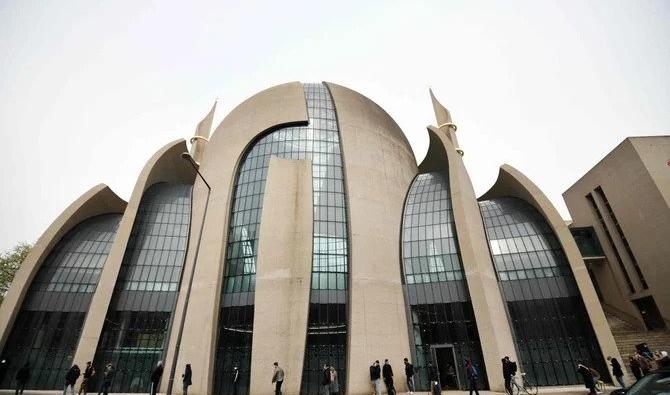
(375,374)
(587,376)
(71,378)
(22,377)
(509,371)
(387,373)
(156,377)
(409,373)
(107,378)
(85,381)
(473,375)
(617,372)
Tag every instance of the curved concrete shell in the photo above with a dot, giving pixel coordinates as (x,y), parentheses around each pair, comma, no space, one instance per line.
(512,183)
(96,201)
(166,165)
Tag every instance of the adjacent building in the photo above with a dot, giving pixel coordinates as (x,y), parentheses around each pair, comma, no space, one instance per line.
(305,232)
(621,219)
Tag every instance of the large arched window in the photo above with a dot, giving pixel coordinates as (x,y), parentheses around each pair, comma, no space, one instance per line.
(319,142)
(48,326)
(442,324)
(551,327)
(135,332)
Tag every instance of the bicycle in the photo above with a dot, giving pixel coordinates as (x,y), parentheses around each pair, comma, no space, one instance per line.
(526,386)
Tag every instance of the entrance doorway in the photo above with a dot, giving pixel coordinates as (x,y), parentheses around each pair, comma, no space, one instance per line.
(444,359)
(649,312)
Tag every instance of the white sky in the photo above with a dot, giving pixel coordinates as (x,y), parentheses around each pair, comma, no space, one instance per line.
(89,90)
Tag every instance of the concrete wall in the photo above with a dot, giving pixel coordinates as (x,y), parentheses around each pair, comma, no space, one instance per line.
(513,183)
(495,334)
(96,201)
(283,276)
(268,110)
(379,167)
(635,177)
(164,166)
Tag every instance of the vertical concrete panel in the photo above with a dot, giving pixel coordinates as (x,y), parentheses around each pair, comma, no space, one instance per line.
(379,168)
(283,274)
(495,334)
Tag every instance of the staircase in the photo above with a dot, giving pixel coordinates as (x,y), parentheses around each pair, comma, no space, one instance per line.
(627,336)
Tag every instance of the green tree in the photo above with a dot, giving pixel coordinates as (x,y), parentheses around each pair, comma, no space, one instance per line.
(10,261)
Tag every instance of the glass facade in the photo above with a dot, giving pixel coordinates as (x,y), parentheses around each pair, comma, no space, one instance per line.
(135,332)
(440,309)
(327,319)
(48,326)
(550,324)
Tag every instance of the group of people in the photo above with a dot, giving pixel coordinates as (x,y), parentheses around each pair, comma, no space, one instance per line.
(643,361)
(73,374)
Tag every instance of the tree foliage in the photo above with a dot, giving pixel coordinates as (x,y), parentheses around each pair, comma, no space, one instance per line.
(10,261)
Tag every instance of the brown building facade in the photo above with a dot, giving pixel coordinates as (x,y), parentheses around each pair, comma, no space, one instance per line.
(309,235)
(624,201)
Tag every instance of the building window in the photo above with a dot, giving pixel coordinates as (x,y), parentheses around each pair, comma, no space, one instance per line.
(622,236)
(48,326)
(442,324)
(587,242)
(550,324)
(610,240)
(134,334)
(319,142)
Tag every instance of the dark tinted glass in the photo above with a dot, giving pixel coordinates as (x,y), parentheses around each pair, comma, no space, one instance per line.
(326,341)
(439,303)
(135,331)
(48,326)
(551,327)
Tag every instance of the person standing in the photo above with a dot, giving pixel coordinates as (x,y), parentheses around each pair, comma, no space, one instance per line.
(617,372)
(409,374)
(325,380)
(89,371)
(71,378)
(375,374)
(156,377)
(434,377)
(236,380)
(587,376)
(186,378)
(635,367)
(387,373)
(108,377)
(509,371)
(472,375)
(22,377)
(278,378)
(334,385)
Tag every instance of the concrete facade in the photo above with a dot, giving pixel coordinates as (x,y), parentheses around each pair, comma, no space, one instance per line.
(379,168)
(635,179)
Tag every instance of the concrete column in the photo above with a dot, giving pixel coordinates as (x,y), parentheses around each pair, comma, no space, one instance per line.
(283,276)
(495,334)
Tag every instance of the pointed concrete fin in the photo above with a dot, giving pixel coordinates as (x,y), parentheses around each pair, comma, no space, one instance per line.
(205,126)
(441,113)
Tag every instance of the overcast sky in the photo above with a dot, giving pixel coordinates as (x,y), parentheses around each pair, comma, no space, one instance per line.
(89,90)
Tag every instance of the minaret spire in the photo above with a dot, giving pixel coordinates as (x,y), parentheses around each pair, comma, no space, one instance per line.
(201,136)
(444,121)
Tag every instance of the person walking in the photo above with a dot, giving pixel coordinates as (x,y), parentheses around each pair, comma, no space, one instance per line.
(89,371)
(235,380)
(186,378)
(617,372)
(509,371)
(107,378)
(587,376)
(434,377)
(387,374)
(22,377)
(325,380)
(156,377)
(334,385)
(409,374)
(635,367)
(278,378)
(375,374)
(71,378)
(472,375)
